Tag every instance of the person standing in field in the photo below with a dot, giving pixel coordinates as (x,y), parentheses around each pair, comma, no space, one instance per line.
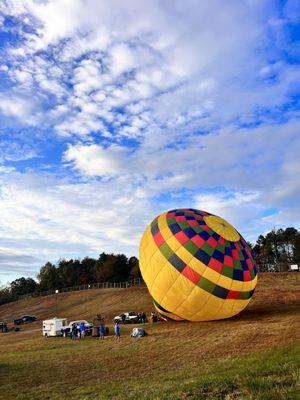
(123,316)
(143,318)
(82,330)
(73,332)
(96,325)
(117,331)
(102,329)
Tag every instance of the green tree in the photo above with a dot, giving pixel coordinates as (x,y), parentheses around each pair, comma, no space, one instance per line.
(6,296)
(68,272)
(49,278)
(111,268)
(134,268)
(22,286)
(277,250)
(296,258)
(86,271)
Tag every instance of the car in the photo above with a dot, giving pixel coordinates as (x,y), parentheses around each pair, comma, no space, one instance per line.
(66,330)
(129,317)
(24,319)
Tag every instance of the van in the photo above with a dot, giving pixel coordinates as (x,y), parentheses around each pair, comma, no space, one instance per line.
(53,327)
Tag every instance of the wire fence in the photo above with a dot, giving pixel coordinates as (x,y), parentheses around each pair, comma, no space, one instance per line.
(104,285)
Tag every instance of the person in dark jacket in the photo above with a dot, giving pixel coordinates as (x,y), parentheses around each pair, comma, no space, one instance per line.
(143,318)
(73,332)
(123,316)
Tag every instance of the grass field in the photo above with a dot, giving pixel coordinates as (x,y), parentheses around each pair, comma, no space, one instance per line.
(255,355)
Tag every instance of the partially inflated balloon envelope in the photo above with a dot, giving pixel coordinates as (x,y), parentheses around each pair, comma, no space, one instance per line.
(196,266)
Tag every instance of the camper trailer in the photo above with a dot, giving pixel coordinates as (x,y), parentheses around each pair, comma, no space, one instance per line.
(53,327)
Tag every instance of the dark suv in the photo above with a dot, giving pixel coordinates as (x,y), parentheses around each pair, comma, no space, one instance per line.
(24,319)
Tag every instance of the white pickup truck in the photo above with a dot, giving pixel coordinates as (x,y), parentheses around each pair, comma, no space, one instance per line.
(127,318)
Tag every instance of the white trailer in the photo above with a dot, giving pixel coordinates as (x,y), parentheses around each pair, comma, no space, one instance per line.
(53,326)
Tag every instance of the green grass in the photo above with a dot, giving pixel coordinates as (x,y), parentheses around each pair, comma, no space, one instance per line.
(260,376)
(59,369)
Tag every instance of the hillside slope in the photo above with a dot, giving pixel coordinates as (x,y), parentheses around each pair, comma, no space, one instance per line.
(209,360)
(274,292)
(276,301)
(82,304)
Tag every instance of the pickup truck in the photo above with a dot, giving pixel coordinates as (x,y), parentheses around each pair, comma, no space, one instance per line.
(66,330)
(24,319)
(127,318)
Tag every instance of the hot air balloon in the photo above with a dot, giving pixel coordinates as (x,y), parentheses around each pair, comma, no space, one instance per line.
(196,266)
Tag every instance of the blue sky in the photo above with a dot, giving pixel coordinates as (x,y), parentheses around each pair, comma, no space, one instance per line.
(114,111)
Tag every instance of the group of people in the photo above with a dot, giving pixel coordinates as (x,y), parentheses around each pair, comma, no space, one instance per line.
(100,330)
(78,331)
(3,327)
(142,318)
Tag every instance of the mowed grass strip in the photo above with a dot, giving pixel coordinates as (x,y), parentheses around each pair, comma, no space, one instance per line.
(47,374)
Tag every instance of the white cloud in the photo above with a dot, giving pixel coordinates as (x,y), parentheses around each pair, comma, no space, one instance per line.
(94,160)
(227,173)
(6,170)
(233,158)
(164,57)
(14,263)
(237,207)
(58,18)
(122,59)
(14,106)
(50,218)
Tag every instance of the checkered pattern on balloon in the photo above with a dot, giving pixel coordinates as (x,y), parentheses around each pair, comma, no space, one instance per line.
(196,266)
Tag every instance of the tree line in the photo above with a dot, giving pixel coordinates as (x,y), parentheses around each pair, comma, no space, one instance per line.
(275,252)
(74,272)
